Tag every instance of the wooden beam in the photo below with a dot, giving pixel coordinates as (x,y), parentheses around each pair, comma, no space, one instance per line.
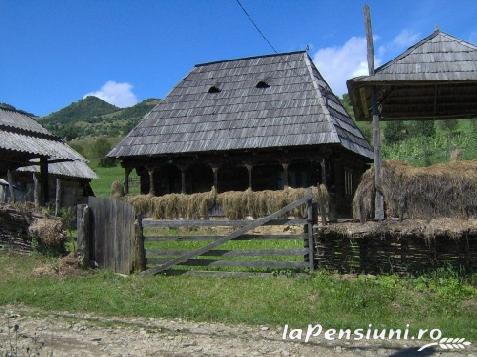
(285,175)
(215,171)
(45,196)
(127,171)
(152,189)
(58,197)
(10,186)
(378,198)
(36,190)
(249,168)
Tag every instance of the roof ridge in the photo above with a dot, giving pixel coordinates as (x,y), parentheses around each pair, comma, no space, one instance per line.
(250,57)
(411,49)
(321,100)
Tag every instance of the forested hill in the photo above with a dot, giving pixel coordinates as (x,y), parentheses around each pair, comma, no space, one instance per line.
(92,117)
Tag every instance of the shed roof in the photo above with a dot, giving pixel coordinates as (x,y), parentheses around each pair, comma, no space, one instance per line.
(72,169)
(297,108)
(21,133)
(433,79)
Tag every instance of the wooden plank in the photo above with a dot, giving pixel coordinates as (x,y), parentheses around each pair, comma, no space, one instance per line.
(232,274)
(263,264)
(243,237)
(10,186)
(36,190)
(84,235)
(309,231)
(231,253)
(254,224)
(58,197)
(148,223)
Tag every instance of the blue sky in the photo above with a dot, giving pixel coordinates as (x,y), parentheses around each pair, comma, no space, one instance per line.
(55,52)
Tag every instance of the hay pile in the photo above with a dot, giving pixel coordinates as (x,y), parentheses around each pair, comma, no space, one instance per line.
(49,232)
(234,204)
(117,189)
(441,190)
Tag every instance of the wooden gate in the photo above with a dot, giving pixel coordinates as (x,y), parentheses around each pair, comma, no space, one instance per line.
(162,259)
(109,235)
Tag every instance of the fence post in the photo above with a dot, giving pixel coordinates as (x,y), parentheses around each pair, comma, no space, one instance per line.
(84,235)
(309,228)
(139,252)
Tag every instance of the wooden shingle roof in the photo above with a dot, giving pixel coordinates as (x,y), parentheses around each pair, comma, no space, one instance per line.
(296,108)
(434,79)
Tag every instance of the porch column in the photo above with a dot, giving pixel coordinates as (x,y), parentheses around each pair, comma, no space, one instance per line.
(127,171)
(323,171)
(215,171)
(285,174)
(36,190)
(249,168)
(183,180)
(10,186)
(45,194)
(152,189)
(58,197)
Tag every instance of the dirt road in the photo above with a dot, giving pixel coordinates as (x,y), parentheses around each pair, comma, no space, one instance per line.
(66,334)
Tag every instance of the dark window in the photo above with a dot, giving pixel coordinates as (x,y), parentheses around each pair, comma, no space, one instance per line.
(262,84)
(214,89)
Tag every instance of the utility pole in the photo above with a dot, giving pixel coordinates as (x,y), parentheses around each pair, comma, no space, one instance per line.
(378,198)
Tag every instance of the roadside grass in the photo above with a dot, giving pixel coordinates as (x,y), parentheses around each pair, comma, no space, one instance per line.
(441,300)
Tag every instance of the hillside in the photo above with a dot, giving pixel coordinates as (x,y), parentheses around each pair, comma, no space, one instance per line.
(92,117)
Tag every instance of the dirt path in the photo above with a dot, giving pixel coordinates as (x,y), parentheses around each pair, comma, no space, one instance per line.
(66,334)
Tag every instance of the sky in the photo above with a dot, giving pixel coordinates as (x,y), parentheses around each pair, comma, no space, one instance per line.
(56,52)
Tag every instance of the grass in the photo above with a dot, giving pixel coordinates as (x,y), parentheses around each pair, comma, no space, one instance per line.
(106,176)
(440,301)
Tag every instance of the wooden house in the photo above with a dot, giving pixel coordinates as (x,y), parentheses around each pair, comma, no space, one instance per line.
(29,148)
(265,122)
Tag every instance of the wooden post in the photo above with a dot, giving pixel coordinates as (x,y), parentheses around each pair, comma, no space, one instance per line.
(58,197)
(139,252)
(10,186)
(323,171)
(44,181)
(152,189)
(285,174)
(84,235)
(309,228)
(127,171)
(215,171)
(249,168)
(36,190)
(378,198)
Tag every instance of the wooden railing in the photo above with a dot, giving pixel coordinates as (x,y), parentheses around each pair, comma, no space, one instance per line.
(162,259)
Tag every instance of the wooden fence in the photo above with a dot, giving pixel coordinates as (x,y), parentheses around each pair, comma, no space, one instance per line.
(109,236)
(271,259)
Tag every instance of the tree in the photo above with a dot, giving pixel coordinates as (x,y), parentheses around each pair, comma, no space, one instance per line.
(394,131)
(100,148)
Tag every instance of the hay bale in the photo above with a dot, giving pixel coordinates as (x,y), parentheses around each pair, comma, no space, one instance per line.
(441,190)
(117,189)
(49,232)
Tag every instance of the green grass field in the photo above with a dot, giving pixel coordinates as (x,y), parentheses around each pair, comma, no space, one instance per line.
(442,301)
(106,176)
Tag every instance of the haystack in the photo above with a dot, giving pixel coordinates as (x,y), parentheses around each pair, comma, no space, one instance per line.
(234,204)
(441,190)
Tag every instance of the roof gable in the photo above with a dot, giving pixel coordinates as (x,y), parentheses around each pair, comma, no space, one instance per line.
(297,108)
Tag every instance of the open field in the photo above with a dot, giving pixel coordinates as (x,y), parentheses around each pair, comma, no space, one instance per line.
(441,301)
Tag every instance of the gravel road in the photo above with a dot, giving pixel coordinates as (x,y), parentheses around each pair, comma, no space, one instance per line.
(71,334)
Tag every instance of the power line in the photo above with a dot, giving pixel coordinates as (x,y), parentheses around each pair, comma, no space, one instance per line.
(256,26)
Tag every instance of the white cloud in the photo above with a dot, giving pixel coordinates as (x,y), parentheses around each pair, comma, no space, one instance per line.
(119,94)
(337,64)
(340,63)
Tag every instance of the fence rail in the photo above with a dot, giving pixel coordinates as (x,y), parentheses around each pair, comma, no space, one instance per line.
(162,259)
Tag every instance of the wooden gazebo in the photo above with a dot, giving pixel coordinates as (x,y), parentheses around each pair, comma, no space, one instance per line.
(434,79)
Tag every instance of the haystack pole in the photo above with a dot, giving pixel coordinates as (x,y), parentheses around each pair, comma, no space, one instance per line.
(378,198)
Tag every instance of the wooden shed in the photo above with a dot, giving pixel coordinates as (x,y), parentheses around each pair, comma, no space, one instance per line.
(265,122)
(24,142)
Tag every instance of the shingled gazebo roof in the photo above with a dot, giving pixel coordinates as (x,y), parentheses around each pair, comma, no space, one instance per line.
(250,103)
(434,79)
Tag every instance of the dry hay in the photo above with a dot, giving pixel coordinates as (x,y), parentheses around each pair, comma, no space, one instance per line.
(48,231)
(234,204)
(414,228)
(117,189)
(68,265)
(441,190)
